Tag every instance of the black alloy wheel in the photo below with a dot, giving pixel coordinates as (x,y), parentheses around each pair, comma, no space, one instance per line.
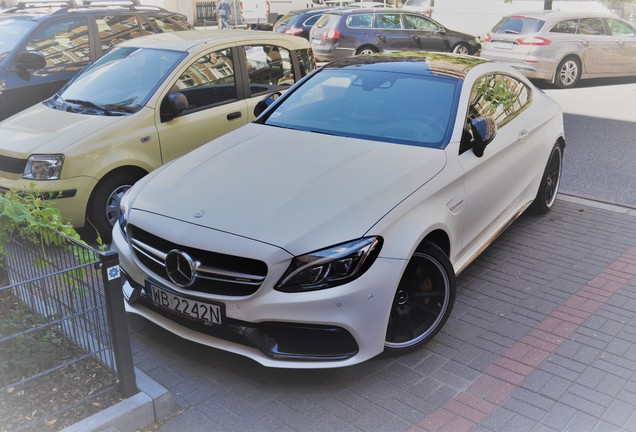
(423,301)
(549,187)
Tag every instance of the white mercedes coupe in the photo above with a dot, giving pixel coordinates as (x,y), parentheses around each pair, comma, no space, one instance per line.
(332,228)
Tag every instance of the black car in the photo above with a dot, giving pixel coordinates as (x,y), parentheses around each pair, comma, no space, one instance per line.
(347,32)
(299,22)
(42,47)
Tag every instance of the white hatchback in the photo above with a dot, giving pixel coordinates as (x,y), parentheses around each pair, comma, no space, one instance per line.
(332,227)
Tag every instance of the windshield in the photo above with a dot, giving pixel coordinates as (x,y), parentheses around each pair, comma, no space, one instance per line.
(120,82)
(11,32)
(371,104)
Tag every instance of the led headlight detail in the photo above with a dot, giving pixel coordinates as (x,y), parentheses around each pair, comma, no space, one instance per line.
(330,267)
(43,167)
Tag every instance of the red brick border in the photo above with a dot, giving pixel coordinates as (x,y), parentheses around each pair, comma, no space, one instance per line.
(469,407)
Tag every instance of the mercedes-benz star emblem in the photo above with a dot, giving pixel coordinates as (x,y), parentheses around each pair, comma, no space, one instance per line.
(180,268)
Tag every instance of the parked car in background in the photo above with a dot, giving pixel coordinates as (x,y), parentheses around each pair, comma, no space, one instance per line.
(424,7)
(347,32)
(146,102)
(299,22)
(258,12)
(42,47)
(563,47)
(332,227)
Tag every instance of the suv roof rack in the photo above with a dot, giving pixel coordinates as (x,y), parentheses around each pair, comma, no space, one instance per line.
(25,4)
(111,2)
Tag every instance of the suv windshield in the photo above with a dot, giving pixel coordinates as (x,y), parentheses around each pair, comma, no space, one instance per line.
(518,25)
(370,104)
(120,82)
(12,29)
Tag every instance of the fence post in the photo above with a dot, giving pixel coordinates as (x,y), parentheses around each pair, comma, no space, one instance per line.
(111,276)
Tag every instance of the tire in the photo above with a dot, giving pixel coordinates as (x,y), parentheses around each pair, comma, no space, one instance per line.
(568,73)
(423,301)
(461,48)
(103,206)
(367,49)
(549,187)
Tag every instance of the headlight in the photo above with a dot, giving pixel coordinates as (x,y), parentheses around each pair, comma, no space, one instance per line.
(330,267)
(44,167)
(123,211)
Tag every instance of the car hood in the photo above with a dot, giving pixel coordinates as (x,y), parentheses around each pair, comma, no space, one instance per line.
(45,130)
(300,191)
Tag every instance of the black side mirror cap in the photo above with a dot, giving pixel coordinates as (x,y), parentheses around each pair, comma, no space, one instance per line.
(484,130)
(174,104)
(31,60)
(264,103)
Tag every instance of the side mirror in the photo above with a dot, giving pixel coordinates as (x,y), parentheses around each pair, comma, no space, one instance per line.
(174,104)
(264,103)
(484,130)
(31,60)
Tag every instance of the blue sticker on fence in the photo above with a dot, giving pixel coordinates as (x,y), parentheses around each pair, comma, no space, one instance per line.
(113,273)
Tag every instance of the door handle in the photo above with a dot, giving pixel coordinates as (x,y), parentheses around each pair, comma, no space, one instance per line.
(523,135)
(415,37)
(382,38)
(584,42)
(234,115)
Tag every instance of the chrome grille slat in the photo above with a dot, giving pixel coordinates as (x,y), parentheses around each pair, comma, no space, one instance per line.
(228,274)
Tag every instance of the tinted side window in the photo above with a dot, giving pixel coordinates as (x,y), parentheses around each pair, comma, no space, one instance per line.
(269,68)
(114,29)
(311,21)
(360,21)
(390,21)
(63,43)
(165,24)
(208,81)
(591,26)
(415,22)
(501,97)
(306,61)
(565,26)
(620,28)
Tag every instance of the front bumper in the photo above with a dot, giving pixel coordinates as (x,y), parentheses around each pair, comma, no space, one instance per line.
(335,327)
(70,196)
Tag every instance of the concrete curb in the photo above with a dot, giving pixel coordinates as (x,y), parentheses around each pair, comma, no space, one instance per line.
(152,404)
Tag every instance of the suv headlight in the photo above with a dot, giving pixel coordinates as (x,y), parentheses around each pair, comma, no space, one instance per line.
(330,267)
(43,167)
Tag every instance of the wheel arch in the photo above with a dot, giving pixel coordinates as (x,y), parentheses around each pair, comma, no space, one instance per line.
(439,238)
(126,169)
(573,55)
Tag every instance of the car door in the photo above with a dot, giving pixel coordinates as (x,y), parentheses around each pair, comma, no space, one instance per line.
(270,68)
(65,46)
(389,32)
(425,34)
(212,85)
(497,183)
(597,49)
(624,35)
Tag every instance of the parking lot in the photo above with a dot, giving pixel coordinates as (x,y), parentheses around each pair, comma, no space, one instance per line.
(541,339)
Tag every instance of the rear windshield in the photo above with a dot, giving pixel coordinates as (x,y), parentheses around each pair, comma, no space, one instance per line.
(327,20)
(518,25)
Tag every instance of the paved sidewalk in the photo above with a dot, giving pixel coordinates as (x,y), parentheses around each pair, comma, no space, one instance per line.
(542,338)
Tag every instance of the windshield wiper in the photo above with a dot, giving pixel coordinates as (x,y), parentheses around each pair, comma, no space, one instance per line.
(89,104)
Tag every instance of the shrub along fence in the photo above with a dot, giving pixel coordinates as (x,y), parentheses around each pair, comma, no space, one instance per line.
(64,341)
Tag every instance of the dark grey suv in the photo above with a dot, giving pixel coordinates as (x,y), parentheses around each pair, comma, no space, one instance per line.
(347,32)
(41,48)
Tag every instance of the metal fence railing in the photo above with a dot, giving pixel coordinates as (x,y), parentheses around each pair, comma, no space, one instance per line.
(205,13)
(62,319)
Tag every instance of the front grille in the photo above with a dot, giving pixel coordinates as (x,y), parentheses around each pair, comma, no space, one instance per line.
(216,273)
(12,165)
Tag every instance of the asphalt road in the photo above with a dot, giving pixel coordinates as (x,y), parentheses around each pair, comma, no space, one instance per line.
(600,131)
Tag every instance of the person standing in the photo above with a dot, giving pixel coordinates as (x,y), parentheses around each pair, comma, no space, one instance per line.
(224,14)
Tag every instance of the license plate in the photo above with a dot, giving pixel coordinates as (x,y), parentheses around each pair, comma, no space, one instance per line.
(207,313)
(502,45)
